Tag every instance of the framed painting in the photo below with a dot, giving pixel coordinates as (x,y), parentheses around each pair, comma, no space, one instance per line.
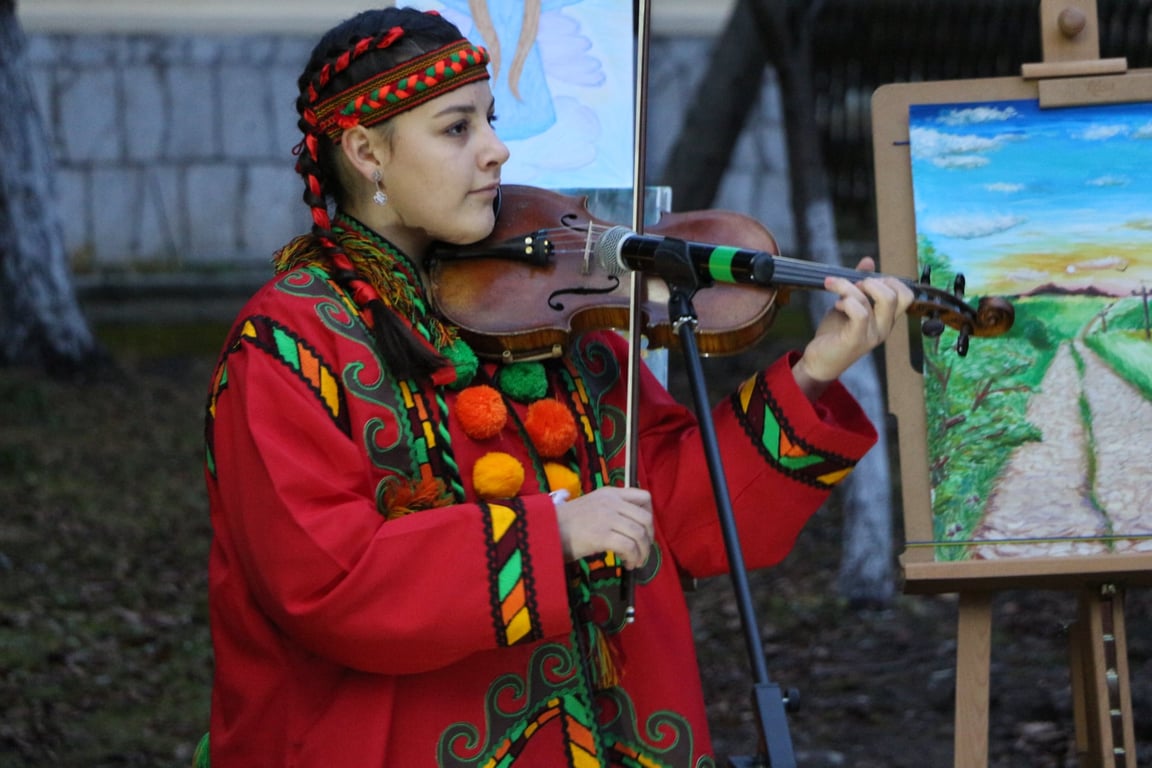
(1025,459)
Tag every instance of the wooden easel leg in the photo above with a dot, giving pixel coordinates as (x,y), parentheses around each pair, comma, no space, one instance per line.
(1080,663)
(1105,733)
(973,659)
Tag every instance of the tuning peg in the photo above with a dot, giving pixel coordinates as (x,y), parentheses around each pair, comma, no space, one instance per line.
(932,326)
(926,276)
(958,286)
(962,342)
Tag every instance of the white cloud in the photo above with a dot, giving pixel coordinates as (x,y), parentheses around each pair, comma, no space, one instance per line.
(970,227)
(950,150)
(1103,132)
(1108,181)
(977,115)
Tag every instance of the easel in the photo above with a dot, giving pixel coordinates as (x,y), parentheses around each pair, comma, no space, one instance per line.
(1071,74)
(1098,652)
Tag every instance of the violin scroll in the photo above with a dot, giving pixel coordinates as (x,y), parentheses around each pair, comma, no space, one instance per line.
(993,316)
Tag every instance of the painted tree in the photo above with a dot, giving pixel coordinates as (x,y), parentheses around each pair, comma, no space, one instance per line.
(779,33)
(40,319)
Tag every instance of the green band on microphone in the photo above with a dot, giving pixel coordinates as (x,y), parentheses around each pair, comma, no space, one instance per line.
(720,263)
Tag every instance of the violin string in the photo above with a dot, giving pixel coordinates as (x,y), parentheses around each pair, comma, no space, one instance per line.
(569,240)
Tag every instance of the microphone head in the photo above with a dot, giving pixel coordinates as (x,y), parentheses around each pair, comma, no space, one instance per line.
(608,250)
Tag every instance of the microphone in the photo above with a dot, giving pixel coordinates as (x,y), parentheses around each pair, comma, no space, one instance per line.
(620,249)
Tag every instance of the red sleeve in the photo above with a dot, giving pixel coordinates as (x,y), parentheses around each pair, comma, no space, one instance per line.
(781,455)
(294,504)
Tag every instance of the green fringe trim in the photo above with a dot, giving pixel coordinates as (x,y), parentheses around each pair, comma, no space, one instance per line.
(200,756)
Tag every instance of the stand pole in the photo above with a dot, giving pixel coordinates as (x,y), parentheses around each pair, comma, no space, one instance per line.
(769,700)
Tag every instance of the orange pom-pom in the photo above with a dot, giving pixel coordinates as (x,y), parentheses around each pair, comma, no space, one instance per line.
(497,476)
(481,412)
(551,427)
(561,477)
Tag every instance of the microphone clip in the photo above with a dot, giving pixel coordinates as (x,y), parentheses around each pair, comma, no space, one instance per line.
(672,262)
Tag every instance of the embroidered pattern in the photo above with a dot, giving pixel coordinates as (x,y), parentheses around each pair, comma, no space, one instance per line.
(551,696)
(296,355)
(763,421)
(670,734)
(414,442)
(512,590)
(396,90)
(301,359)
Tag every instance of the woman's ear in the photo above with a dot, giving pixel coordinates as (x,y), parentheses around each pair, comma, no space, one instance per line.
(360,150)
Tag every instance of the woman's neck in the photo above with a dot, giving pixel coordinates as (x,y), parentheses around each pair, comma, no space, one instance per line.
(384,223)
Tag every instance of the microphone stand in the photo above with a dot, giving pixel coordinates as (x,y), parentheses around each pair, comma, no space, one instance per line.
(672,262)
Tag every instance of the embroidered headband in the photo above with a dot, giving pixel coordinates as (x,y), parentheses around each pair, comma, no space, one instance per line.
(403,87)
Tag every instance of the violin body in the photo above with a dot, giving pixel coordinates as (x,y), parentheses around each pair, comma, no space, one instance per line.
(523,311)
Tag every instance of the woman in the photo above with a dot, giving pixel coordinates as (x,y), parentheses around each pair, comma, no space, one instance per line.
(417,557)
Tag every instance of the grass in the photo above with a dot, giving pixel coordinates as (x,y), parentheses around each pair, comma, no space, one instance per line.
(105,658)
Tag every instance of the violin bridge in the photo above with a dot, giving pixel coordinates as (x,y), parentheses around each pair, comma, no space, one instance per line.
(588,246)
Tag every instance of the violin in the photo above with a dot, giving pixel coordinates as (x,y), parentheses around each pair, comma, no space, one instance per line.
(537,280)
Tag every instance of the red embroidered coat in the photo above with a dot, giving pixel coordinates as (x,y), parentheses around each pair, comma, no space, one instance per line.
(448,637)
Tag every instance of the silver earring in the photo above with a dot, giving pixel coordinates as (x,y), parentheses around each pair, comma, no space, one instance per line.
(379,197)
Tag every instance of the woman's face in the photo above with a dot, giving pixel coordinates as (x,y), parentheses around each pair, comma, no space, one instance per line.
(440,164)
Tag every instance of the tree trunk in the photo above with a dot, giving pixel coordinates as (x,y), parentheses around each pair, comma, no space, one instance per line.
(701,154)
(785,28)
(40,319)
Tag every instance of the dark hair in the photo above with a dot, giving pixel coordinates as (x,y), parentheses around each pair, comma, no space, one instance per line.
(348,54)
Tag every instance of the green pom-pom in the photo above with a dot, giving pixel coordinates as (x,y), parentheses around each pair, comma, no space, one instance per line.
(523,382)
(465,362)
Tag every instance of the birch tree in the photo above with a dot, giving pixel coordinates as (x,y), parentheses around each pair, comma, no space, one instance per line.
(40,319)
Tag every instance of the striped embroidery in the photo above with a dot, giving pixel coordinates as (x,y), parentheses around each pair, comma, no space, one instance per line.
(763,421)
(512,591)
(300,358)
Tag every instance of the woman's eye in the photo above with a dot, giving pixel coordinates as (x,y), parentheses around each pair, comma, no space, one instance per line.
(456,129)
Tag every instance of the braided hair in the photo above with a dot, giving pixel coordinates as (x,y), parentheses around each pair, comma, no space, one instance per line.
(350,53)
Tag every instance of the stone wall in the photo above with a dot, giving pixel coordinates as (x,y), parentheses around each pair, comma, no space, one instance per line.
(174,152)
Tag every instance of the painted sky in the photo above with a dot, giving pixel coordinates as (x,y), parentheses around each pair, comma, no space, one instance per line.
(1018,197)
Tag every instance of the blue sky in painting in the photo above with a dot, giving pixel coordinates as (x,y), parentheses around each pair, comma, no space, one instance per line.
(1018,197)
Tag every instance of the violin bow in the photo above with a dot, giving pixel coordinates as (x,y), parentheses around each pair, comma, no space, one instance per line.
(636,279)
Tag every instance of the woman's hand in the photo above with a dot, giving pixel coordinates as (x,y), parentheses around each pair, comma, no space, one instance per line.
(862,318)
(607,519)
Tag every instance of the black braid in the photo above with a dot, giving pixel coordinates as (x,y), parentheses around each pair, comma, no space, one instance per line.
(317,161)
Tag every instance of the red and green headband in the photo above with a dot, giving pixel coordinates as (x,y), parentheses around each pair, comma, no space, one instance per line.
(403,87)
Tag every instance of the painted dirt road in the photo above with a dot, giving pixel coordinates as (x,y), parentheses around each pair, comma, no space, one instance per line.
(1087,477)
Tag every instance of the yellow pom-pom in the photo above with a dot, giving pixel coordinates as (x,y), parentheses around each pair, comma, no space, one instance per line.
(561,477)
(497,476)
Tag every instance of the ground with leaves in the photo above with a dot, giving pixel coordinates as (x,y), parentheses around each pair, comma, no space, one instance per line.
(104,648)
